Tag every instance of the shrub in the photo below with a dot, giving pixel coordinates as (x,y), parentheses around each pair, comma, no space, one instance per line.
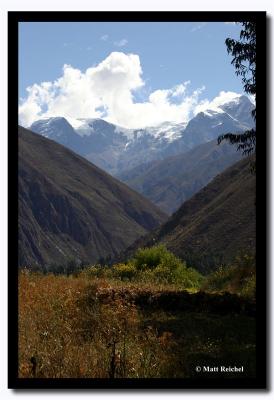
(152,257)
(160,265)
(219,279)
(245,261)
(124,271)
(148,257)
(188,277)
(96,271)
(249,288)
(161,274)
(239,277)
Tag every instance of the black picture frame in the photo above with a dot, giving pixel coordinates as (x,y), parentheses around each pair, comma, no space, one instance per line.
(260,382)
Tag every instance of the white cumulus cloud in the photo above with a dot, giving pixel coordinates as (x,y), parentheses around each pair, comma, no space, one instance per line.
(107,90)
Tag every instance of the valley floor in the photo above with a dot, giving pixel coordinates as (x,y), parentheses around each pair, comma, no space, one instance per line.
(82,327)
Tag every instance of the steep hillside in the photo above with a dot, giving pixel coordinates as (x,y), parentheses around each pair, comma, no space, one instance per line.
(215,224)
(170,182)
(69,208)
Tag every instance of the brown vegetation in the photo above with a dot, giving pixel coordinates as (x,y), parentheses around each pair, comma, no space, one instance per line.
(65,330)
(90,327)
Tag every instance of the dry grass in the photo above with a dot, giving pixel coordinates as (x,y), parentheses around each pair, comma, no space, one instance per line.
(66,331)
(80,326)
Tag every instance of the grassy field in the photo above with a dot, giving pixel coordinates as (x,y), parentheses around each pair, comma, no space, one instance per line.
(87,326)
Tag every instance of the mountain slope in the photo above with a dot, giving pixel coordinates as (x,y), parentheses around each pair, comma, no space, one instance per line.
(215,224)
(69,208)
(170,182)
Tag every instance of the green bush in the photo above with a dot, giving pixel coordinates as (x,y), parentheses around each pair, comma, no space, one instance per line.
(152,257)
(147,258)
(124,271)
(239,277)
(97,271)
(249,287)
(219,280)
(150,265)
(160,265)
(247,261)
(188,277)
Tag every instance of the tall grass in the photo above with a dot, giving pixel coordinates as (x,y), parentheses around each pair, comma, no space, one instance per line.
(88,325)
(66,331)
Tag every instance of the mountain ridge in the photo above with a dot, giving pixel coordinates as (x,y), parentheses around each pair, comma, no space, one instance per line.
(170,182)
(115,149)
(214,225)
(69,208)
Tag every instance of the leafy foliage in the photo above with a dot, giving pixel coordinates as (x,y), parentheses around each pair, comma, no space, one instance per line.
(152,257)
(239,277)
(69,267)
(150,266)
(160,265)
(243,52)
(125,271)
(244,56)
(246,141)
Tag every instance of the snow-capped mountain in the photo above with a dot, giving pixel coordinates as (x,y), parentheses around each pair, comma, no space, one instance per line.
(56,128)
(240,108)
(109,146)
(167,131)
(95,139)
(208,125)
(116,149)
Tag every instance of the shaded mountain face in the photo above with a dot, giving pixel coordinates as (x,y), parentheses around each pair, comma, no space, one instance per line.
(70,209)
(117,149)
(170,182)
(214,225)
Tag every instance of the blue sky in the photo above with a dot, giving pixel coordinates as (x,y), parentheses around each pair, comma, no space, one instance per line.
(170,54)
